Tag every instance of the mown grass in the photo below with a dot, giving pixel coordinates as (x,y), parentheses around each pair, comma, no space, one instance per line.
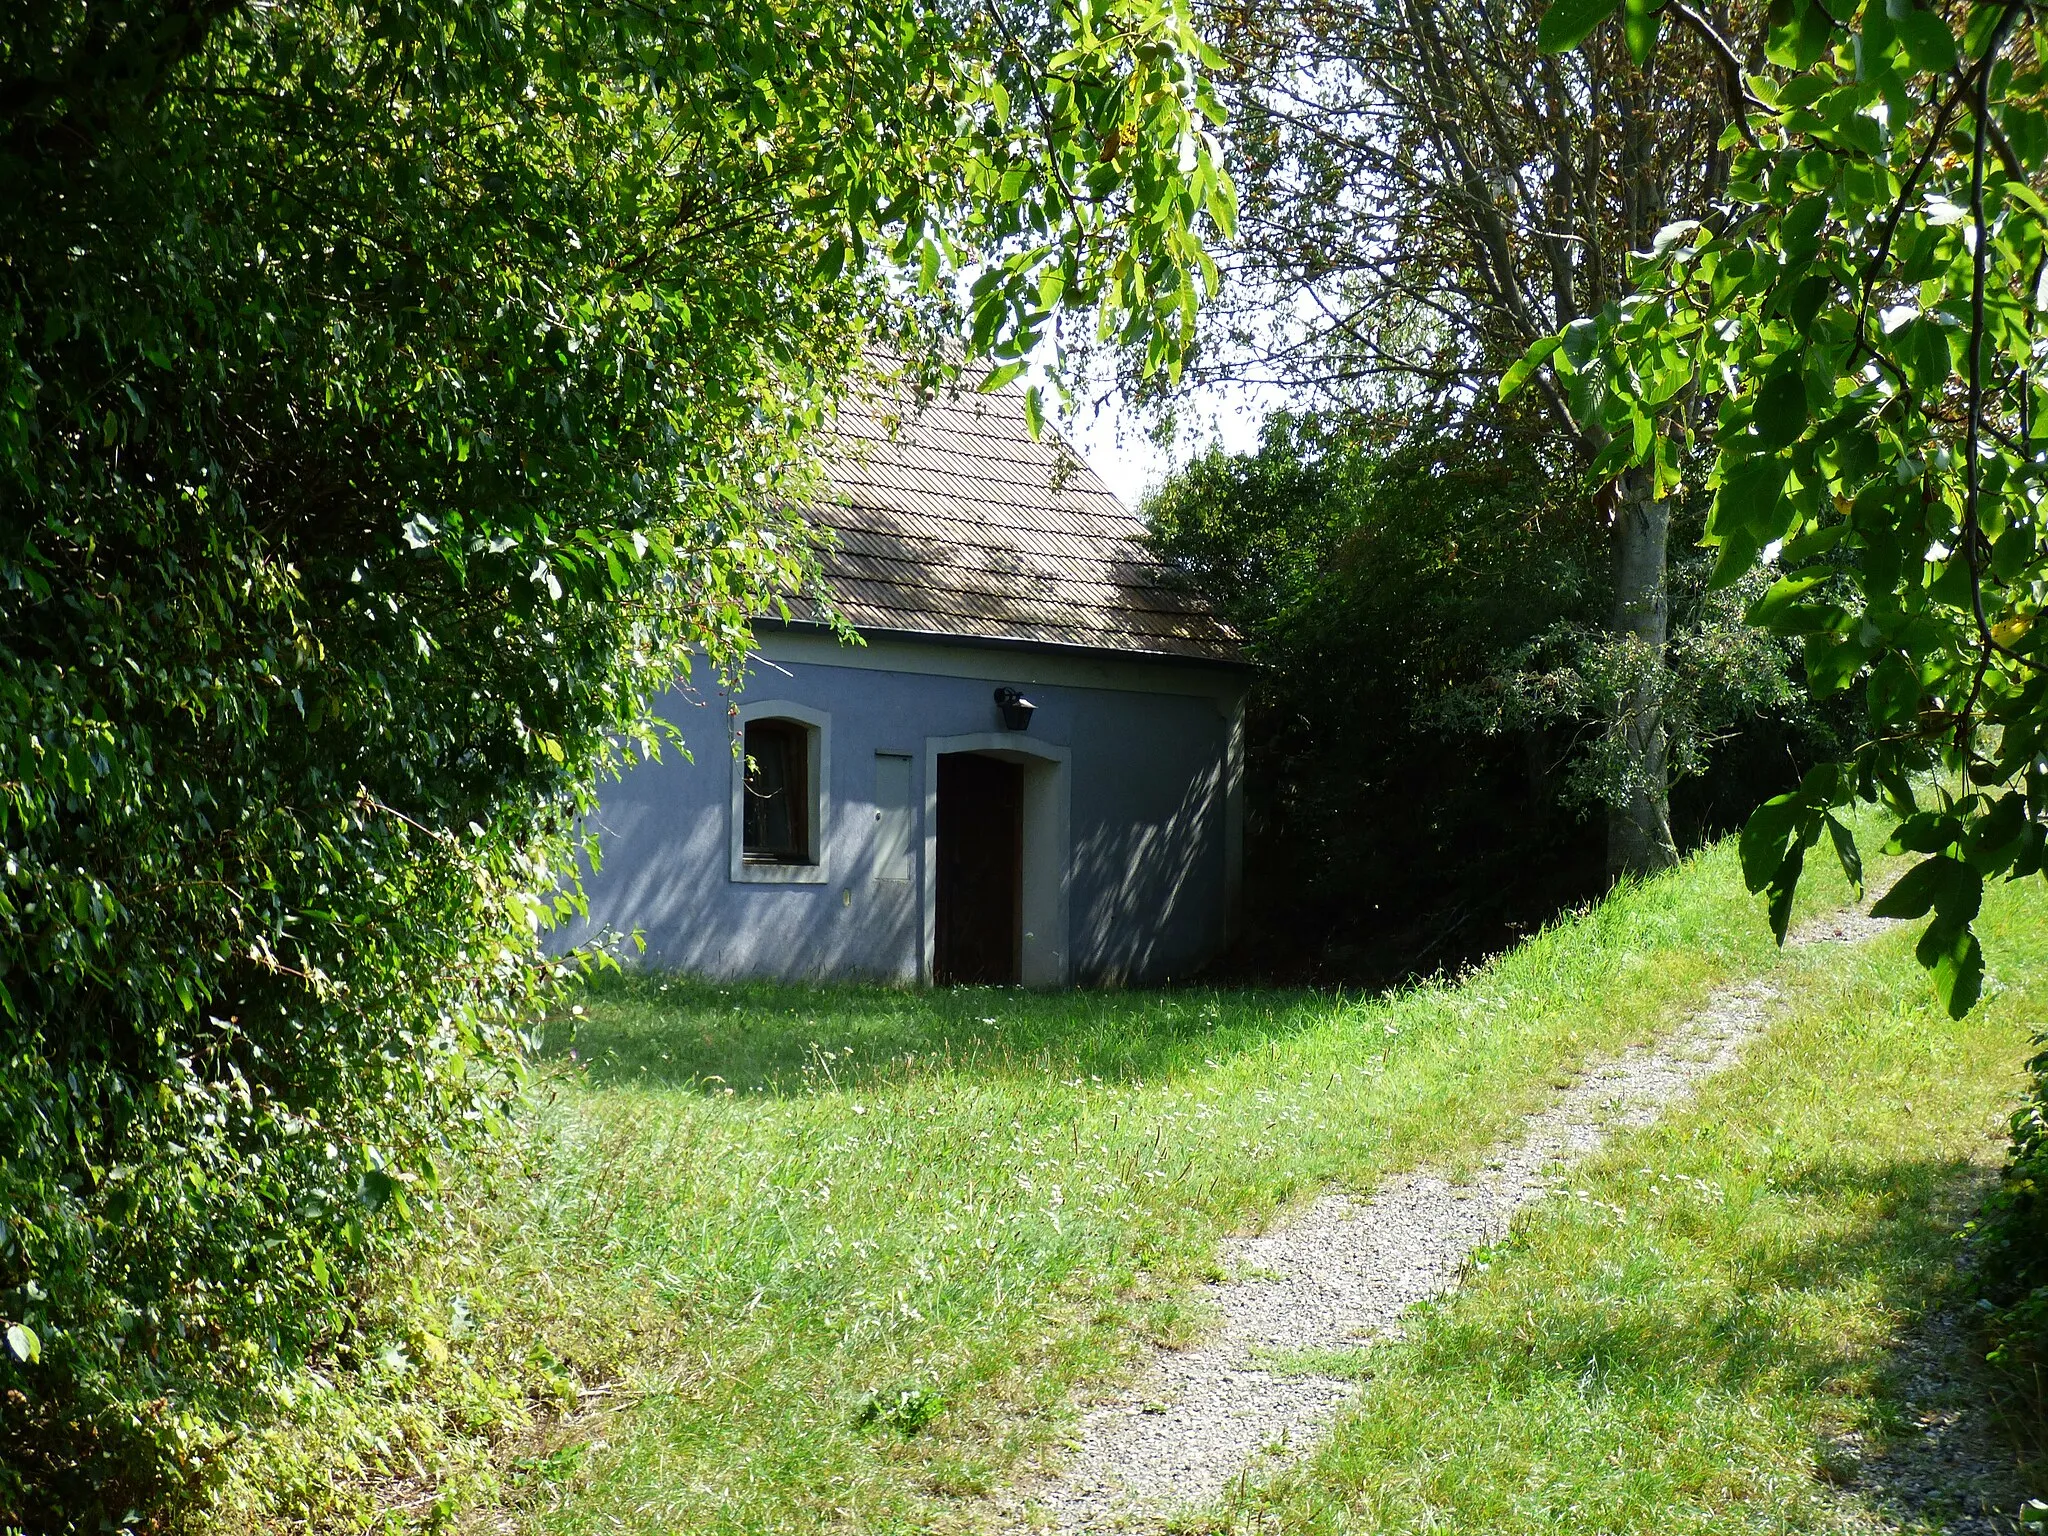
(1718,1327)
(787,1260)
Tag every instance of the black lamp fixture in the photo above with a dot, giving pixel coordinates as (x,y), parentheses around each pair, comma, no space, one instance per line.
(1016,709)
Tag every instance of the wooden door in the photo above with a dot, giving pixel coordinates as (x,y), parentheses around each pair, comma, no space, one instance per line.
(980,870)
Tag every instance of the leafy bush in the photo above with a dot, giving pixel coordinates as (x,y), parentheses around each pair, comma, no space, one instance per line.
(391,398)
(1427,600)
(325,584)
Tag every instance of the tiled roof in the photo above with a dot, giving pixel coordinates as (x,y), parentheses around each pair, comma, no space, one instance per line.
(959,524)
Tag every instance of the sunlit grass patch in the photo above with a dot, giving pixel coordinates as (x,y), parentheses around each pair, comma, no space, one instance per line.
(772,1259)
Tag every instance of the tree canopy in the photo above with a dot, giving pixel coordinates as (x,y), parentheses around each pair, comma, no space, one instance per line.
(1862,324)
(1426,193)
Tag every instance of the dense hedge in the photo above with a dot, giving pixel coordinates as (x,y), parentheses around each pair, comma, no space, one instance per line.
(1428,598)
(2010,1247)
(351,503)
(393,395)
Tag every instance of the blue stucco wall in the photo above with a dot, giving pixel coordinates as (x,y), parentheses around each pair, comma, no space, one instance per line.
(1154,815)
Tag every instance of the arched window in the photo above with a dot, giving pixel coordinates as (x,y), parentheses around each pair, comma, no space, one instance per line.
(781,793)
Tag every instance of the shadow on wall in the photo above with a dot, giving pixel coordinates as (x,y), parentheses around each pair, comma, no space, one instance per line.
(1154,892)
(664,873)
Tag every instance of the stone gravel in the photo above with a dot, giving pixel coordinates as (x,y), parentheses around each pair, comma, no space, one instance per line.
(1945,1468)
(1342,1273)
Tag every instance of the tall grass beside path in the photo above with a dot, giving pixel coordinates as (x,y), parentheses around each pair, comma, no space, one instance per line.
(1748,1318)
(792,1259)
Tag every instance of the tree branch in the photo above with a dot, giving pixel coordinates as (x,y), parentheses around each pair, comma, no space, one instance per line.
(1973,474)
(1739,98)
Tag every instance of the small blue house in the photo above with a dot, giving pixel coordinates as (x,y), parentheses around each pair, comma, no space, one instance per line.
(1031,772)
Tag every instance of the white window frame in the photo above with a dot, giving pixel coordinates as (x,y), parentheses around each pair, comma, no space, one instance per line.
(818,735)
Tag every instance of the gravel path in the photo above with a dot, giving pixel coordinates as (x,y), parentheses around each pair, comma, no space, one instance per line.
(1946,1470)
(1343,1272)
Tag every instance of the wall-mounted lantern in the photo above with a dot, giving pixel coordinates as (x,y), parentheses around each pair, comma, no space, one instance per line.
(1016,709)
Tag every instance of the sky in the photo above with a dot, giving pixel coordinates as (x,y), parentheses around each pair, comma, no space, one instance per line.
(1114,442)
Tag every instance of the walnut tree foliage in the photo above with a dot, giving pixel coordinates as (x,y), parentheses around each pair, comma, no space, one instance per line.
(392,397)
(1852,339)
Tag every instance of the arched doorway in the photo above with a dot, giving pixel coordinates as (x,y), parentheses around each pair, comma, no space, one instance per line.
(995,887)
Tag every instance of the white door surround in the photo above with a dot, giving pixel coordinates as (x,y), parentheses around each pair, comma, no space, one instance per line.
(1045,960)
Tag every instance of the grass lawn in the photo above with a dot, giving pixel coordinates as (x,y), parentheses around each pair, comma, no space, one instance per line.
(785,1259)
(1711,1331)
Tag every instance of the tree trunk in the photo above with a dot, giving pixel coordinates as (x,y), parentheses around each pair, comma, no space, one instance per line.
(1639,826)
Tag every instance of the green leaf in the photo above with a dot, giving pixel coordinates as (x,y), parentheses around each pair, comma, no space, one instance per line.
(1739,550)
(2032,852)
(1805,301)
(1526,366)
(1994,839)
(1672,235)
(1579,339)
(23,1343)
(1751,498)
(1567,22)
(1894,692)
(1764,836)
(1784,888)
(1977,32)
(1812,544)
(1924,355)
(2027,131)
(1781,596)
(374,1189)
(1799,229)
(1913,893)
(1799,36)
(1845,851)
(1833,660)
(1929,43)
(1034,412)
(1613,459)
(1941,884)
(1949,949)
(1958,966)
(1925,832)
(1780,411)
(1640,22)
(2014,549)
(998,377)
